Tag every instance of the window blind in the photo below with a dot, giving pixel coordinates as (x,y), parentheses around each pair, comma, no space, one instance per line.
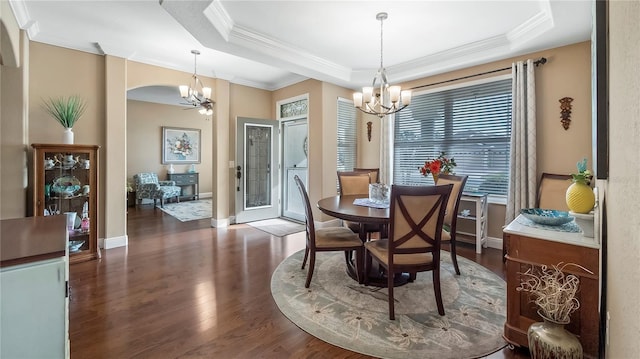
(471,124)
(346,160)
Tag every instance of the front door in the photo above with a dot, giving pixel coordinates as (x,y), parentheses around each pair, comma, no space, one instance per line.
(256,170)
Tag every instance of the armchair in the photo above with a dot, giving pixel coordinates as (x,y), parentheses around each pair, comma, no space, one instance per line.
(148,186)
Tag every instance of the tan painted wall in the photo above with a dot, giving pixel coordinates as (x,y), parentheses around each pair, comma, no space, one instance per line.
(623,198)
(53,72)
(144,140)
(244,102)
(13,127)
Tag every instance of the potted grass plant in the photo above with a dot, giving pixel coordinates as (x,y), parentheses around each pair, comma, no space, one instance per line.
(554,293)
(67,111)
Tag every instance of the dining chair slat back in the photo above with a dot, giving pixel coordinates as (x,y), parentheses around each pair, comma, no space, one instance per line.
(374,173)
(416,216)
(451,215)
(327,239)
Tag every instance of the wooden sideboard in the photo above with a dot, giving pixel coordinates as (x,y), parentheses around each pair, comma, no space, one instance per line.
(526,247)
(183,180)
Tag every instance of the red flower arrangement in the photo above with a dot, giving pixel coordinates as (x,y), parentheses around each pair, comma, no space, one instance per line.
(441,164)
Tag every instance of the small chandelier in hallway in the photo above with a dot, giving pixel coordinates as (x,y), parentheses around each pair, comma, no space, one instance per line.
(195,93)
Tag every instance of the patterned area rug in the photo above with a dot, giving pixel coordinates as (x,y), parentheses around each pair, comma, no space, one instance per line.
(277,227)
(342,312)
(189,210)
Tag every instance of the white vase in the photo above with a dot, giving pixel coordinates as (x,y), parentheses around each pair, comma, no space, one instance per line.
(171,169)
(67,136)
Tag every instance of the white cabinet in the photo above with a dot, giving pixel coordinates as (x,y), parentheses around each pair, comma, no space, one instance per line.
(34,301)
(478,214)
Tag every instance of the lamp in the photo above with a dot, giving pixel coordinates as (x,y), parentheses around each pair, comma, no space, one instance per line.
(386,99)
(195,93)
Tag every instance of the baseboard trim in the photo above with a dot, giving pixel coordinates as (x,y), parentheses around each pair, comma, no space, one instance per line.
(114,242)
(220,223)
(493,242)
(205,195)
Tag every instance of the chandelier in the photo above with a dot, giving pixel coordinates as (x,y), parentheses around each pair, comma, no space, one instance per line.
(195,93)
(383,100)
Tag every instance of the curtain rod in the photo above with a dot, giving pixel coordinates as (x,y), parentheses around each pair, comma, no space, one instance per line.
(540,61)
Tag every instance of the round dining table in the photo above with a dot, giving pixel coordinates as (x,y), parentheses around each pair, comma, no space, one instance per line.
(342,207)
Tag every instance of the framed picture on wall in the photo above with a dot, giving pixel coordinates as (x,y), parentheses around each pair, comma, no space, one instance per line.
(180,145)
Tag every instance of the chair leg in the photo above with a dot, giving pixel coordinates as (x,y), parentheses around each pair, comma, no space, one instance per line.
(392,314)
(454,258)
(436,289)
(312,264)
(367,266)
(360,264)
(306,255)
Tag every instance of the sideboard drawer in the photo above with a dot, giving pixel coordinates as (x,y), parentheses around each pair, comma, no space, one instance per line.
(183,178)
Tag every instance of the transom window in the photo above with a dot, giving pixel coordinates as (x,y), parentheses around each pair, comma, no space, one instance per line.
(471,124)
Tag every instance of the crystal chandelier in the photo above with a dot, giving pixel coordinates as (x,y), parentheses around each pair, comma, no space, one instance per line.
(195,93)
(383,100)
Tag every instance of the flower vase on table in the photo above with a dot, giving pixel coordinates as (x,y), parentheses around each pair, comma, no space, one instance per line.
(438,166)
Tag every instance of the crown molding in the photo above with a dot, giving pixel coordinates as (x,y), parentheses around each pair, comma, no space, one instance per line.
(23,18)
(536,26)
(218,16)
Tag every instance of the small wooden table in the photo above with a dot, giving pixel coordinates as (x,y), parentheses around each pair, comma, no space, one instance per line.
(342,207)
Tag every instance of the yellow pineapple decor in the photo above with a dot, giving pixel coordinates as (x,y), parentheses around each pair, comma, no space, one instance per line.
(580,197)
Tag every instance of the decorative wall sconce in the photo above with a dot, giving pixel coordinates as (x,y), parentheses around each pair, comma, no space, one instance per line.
(369,130)
(565,111)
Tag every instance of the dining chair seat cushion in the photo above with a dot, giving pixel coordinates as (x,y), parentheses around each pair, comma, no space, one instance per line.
(378,248)
(331,237)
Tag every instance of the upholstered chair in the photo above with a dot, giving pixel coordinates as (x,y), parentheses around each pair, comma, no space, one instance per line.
(357,183)
(416,216)
(327,239)
(451,213)
(148,186)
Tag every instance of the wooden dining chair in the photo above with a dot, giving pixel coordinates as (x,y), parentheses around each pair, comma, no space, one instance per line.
(356,182)
(552,191)
(416,216)
(374,173)
(451,213)
(327,239)
(352,182)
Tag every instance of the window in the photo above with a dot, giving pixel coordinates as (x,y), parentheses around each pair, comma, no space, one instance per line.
(346,135)
(471,124)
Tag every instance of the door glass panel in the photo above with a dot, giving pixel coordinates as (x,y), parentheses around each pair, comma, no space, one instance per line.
(295,152)
(258,166)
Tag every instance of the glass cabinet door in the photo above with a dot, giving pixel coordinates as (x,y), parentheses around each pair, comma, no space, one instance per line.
(66,185)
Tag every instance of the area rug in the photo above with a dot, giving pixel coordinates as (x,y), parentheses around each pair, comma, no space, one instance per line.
(338,310)
(277,226)
(189,210)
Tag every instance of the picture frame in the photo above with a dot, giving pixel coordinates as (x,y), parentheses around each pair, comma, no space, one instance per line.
(180,145)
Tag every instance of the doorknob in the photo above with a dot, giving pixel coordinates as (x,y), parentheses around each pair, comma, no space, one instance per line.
(238,176)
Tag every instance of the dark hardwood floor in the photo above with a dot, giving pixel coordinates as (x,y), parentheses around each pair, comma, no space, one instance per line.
(186,290)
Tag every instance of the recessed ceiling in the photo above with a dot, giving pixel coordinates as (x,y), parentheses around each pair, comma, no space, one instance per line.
(273,44)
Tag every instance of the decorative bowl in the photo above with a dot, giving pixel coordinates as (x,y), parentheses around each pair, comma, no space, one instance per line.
(74,246)
(549,217)
(67,185)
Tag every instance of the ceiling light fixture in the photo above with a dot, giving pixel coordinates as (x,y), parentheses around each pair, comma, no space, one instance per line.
(195,93)
(386,99)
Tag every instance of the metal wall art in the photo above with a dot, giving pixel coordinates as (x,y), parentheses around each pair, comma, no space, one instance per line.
(565,111)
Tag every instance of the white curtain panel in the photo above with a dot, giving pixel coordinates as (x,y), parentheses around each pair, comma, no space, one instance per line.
(522,179)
